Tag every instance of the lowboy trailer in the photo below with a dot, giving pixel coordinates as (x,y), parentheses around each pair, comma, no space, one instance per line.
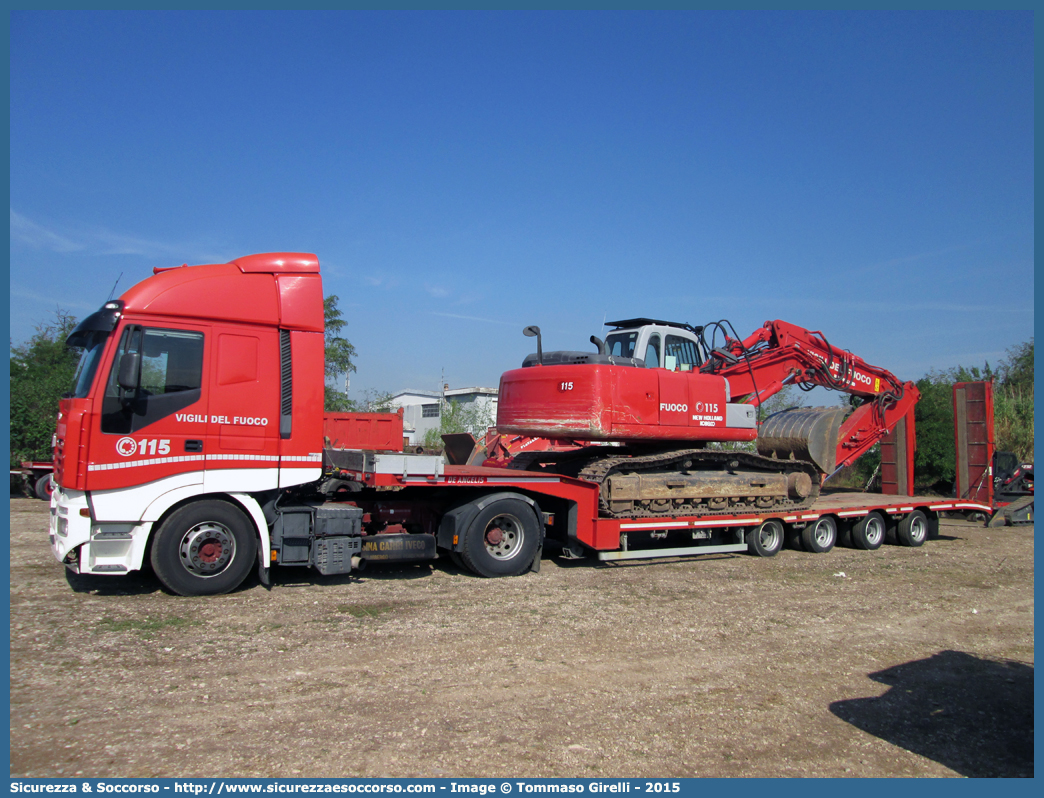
(495,520)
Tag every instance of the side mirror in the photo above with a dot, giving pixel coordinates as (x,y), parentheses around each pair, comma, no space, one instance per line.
(127,378)
(533,331)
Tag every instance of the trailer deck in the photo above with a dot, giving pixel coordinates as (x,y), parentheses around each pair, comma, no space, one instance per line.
(614,538)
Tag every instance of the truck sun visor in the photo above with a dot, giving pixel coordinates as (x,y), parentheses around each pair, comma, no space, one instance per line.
(103,320)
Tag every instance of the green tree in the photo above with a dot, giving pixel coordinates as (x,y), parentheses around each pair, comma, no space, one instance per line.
(374,402)
(42,371)
(455,416)
(1013,402)
(339,355)
(935,460)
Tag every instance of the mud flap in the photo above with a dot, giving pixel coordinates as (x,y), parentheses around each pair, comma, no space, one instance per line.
(262,568)
(535,567)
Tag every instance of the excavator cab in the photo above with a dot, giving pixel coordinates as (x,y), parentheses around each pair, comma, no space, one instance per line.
(660,344)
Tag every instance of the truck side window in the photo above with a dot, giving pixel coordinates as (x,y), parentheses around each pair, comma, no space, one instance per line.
(170,378)
(652,352)
(684,352)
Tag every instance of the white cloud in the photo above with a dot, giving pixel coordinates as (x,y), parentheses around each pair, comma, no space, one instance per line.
(28,232)
(102,241)
(23,294)
(474,318)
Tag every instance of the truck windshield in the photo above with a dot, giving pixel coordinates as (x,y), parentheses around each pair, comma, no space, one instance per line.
(93,344)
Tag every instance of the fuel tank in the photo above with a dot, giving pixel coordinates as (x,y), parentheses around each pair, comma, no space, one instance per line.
(604,402)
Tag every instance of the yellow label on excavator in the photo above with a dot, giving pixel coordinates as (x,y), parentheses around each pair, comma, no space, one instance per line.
(877,385)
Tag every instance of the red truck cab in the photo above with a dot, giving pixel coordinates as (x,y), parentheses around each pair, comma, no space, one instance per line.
(187,387)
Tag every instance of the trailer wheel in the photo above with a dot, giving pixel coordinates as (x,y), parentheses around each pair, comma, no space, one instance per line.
(821,536)
(502,540)
(913,529)
(43,488)
(204,549)
(868,533)
(766,540)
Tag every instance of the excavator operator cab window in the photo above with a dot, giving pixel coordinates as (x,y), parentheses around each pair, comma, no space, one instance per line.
(652,352)
(622,344)
(684,352)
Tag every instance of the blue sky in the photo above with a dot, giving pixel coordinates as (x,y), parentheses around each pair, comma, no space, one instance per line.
(463,175)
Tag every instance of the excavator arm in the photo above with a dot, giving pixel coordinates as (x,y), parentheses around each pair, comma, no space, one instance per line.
(778,354)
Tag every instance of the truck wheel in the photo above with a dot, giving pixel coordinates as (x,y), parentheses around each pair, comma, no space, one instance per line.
(458,561)
(767,539)
(913,529)
(43,488)
(821,536)
(204,549)
(868,533)
(502,540)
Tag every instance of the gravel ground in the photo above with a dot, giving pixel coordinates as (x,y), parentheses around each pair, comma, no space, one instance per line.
(900,662)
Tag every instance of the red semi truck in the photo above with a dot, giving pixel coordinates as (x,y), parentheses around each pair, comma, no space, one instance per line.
(193,441)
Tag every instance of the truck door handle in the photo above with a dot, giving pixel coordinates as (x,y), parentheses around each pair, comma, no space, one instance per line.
(193,446)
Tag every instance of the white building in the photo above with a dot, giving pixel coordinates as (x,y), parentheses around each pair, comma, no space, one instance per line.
(422,409)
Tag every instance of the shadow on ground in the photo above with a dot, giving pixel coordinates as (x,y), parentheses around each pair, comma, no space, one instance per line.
(975,716)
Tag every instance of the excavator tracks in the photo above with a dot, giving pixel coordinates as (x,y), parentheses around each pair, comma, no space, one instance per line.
(684,481)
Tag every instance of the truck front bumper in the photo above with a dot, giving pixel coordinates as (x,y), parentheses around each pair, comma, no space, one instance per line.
(90,547)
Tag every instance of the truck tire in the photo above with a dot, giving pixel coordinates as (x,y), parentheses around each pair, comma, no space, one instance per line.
(868,533)
(821,536)
(204,549)
(767,539)
(458,561)
(913,529)
(43,488)
(502,540)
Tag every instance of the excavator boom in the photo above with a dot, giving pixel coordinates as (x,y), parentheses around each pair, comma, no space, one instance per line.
(778,354)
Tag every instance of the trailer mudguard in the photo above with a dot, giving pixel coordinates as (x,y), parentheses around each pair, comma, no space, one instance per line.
(457,519)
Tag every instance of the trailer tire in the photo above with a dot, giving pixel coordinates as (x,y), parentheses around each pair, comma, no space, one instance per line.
(766,539)
(44,487)
(502,540)
(204,549)
(821,536)
(868,533)
(913,529)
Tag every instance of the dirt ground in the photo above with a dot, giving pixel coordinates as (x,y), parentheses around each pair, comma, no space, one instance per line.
(899,662)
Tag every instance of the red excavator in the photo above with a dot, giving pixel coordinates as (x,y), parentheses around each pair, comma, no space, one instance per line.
(655,408)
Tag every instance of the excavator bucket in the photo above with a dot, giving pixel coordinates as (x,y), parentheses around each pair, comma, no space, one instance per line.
(803,433)
(461,448)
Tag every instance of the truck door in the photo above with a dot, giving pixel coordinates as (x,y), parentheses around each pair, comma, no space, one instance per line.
(153,409)
(243,425)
